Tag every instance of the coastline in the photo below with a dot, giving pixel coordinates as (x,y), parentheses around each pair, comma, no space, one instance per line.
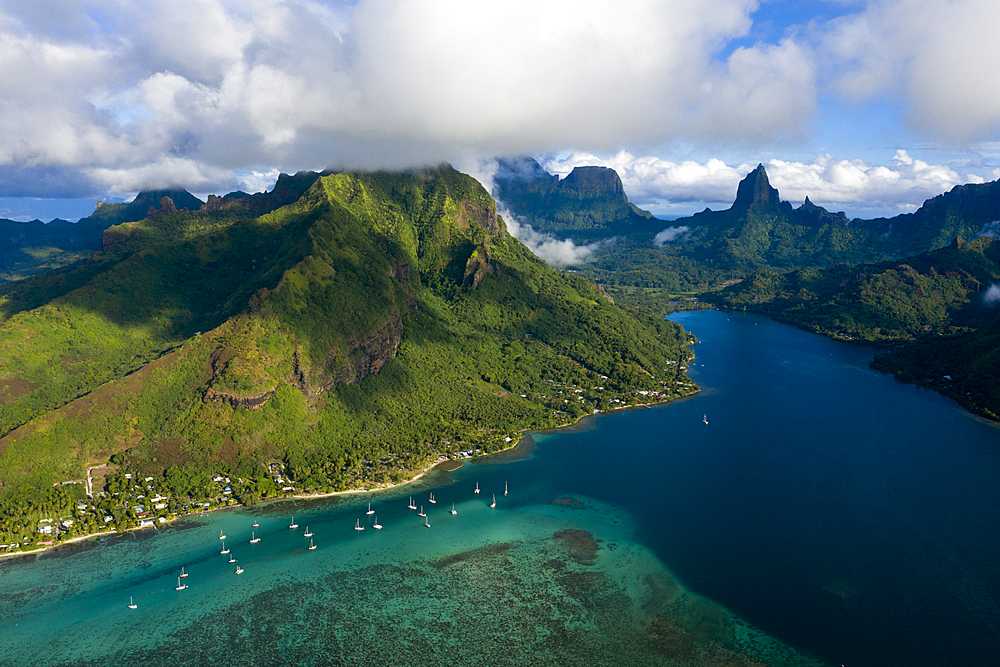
(312,496)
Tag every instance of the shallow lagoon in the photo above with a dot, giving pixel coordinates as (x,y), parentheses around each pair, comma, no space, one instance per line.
(851,516)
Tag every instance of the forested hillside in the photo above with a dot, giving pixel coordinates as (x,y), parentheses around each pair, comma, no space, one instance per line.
(376,323)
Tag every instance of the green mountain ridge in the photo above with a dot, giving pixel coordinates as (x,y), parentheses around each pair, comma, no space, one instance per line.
(375,323)
(760,232)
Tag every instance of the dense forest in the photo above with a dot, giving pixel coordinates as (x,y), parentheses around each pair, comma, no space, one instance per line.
(374,325)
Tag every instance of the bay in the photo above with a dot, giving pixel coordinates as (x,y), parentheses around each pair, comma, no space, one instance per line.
(825,514)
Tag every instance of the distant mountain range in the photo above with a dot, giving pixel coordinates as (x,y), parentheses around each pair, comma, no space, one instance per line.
(759,231)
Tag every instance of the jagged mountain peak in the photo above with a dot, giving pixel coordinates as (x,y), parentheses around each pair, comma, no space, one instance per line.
(755,189)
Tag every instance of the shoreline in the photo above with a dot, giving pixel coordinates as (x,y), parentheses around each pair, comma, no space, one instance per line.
(312,496)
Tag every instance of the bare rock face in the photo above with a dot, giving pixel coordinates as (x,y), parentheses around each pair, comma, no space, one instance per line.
(478,267)
(368,355)
(755,189)
(588,181)
(249,402)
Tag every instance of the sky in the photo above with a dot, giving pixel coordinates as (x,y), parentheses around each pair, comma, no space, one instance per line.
(865,107)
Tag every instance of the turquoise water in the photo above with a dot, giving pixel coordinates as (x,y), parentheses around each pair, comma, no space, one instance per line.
(824,507)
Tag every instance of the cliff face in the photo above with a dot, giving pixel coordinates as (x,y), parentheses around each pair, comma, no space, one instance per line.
(368,355)
(593,182)
(755,189)
(591,199)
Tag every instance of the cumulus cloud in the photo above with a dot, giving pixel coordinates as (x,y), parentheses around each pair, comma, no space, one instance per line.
(376,83)
(992,295)
(859,188)
(111,94)
(938,58)
(669,234)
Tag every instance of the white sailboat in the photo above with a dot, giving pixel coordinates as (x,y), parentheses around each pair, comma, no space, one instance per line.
(377,525)
(477,488)
(358,526)
(255,524)
(253,538)
(421,512)
(183,573)
(293,525)
(370,510)
(221,536)
(453,510)
(705,419)
(411,505)
(132,605)
(432,499)
(308,532)
(494,503)
(180,586)
(312,547)
(427,523)
(224,549)
(232,559)
(505,488)
(239,570)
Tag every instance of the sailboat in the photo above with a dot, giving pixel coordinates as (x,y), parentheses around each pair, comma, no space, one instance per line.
(705,419)
(477,488)
(232,559)
(427,523)
(221,536)
(358,526)
(256,525)
(293,525)
(224,549)
(377,525)
(432,499)
(411,505)
(370,510)
(253,538)
(132,605)
(183,573)
(308,533)
(453,510)
(421,512)
(494,503)
(312,547)
(180,586)
(239,570)
(505,488)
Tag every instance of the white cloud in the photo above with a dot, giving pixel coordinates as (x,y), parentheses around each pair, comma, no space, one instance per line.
(992,295)
(559,253)
(937,57)
(669,234)
(104,87)
(378,83)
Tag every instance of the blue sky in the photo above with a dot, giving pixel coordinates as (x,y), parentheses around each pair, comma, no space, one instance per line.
(867,107)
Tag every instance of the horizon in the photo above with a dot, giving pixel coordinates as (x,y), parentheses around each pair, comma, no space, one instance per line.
(865,107)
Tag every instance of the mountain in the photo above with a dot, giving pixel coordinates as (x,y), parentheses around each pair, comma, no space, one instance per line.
(760,232)
(34,248)
(378,321)
(589,202)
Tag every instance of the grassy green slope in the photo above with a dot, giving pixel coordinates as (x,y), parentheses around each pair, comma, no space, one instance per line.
(378,320)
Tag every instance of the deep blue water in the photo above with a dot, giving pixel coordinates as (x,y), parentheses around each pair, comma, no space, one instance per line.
(849,516)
